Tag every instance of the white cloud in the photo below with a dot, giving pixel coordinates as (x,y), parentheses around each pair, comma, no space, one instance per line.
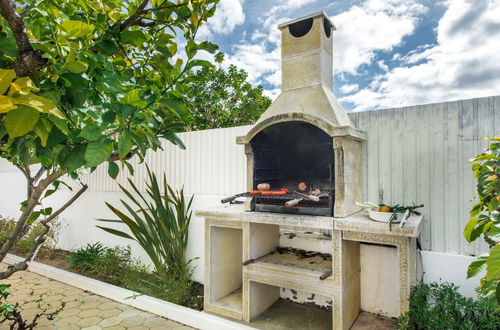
(257,61)
(346,89)
(381,64)
(374,25)
(228,15)
(463,63)
(261,56)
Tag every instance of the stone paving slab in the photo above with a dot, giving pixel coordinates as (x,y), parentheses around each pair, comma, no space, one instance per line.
(83,309)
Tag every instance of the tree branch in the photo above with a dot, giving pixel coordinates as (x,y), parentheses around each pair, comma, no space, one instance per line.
(23,265)
(32,202)
(29,59)
(38,175)
(131,20)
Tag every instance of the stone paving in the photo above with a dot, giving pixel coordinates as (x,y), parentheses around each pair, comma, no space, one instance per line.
(83,309)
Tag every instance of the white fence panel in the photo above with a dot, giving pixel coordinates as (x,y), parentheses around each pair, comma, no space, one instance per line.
(413,154)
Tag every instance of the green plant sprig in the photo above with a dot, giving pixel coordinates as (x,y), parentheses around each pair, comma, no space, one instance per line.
(402,209)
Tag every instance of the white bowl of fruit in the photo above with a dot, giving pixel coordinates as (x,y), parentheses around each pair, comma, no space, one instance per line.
(386,213)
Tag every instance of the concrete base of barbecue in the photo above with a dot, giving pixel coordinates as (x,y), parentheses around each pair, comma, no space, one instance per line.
(244,276)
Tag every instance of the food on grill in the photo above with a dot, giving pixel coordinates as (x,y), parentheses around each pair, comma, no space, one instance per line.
(313,198)
(255,192)
(316,192)
(284,189)
(274,193)
(293,202)
(279,193)
(302,186)
(263,186)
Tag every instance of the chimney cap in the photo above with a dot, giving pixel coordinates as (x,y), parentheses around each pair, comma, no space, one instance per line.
(314,15)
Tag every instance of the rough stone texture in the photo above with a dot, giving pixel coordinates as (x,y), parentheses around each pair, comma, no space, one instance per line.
(83,310)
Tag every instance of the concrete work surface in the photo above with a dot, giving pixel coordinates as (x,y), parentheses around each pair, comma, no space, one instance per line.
(83,309)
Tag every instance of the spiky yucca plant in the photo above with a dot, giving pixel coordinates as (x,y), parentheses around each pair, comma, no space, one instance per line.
(159,222)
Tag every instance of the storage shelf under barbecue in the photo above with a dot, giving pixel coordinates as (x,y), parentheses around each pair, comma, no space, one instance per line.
(292,269)
(231,301)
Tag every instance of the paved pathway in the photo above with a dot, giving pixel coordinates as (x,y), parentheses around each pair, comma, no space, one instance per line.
(83,310)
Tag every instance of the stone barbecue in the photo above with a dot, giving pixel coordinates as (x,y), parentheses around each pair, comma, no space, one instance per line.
(305,135)
(304,145)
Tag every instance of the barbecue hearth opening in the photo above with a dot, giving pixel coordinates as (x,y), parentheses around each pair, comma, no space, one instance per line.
(287,155)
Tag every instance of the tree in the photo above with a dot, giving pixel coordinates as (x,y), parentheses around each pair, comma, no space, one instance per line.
(223,98)
(87,82)
(485,220)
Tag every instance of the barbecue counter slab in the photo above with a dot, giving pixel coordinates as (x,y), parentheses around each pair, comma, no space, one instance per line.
(361,223)
(236,212)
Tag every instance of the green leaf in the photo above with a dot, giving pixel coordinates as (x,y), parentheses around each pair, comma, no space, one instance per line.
(116,232)
(107,47)
(469,227)
(129,167)
(177,107)
(42,129)
(22,86)
(75,158)
(125,144)
(136,38)
(476,266)
(60,123)
(183,12)
(91,132)
(21,121)
(113,169)
(6,77)
(494,233)
(208,46)
(493,264)
(6,104)
(98,151)
(133,97)
(76,29)
(39,103)
(175,140)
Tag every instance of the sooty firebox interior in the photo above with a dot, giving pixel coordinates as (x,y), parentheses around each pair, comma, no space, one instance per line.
(288,153)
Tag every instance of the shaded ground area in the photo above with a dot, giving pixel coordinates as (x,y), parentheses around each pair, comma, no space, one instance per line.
(83,310)
(284,315)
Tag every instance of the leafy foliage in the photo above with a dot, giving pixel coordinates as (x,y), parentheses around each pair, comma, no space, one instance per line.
(113,83)
(116,266)
(27,242)
(485,221)
(224,98)
(84,83)
(159,222)
(103,263)
(440,306)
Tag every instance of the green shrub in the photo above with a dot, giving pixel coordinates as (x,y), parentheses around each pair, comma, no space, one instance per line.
(27,242)
(85,258)
(159,222)
(103,263)
(485,221)
(440,306)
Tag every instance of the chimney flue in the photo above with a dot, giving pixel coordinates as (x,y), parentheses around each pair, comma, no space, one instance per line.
(306,52)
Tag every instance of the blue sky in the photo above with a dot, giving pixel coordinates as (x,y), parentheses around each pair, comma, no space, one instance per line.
(387,53)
